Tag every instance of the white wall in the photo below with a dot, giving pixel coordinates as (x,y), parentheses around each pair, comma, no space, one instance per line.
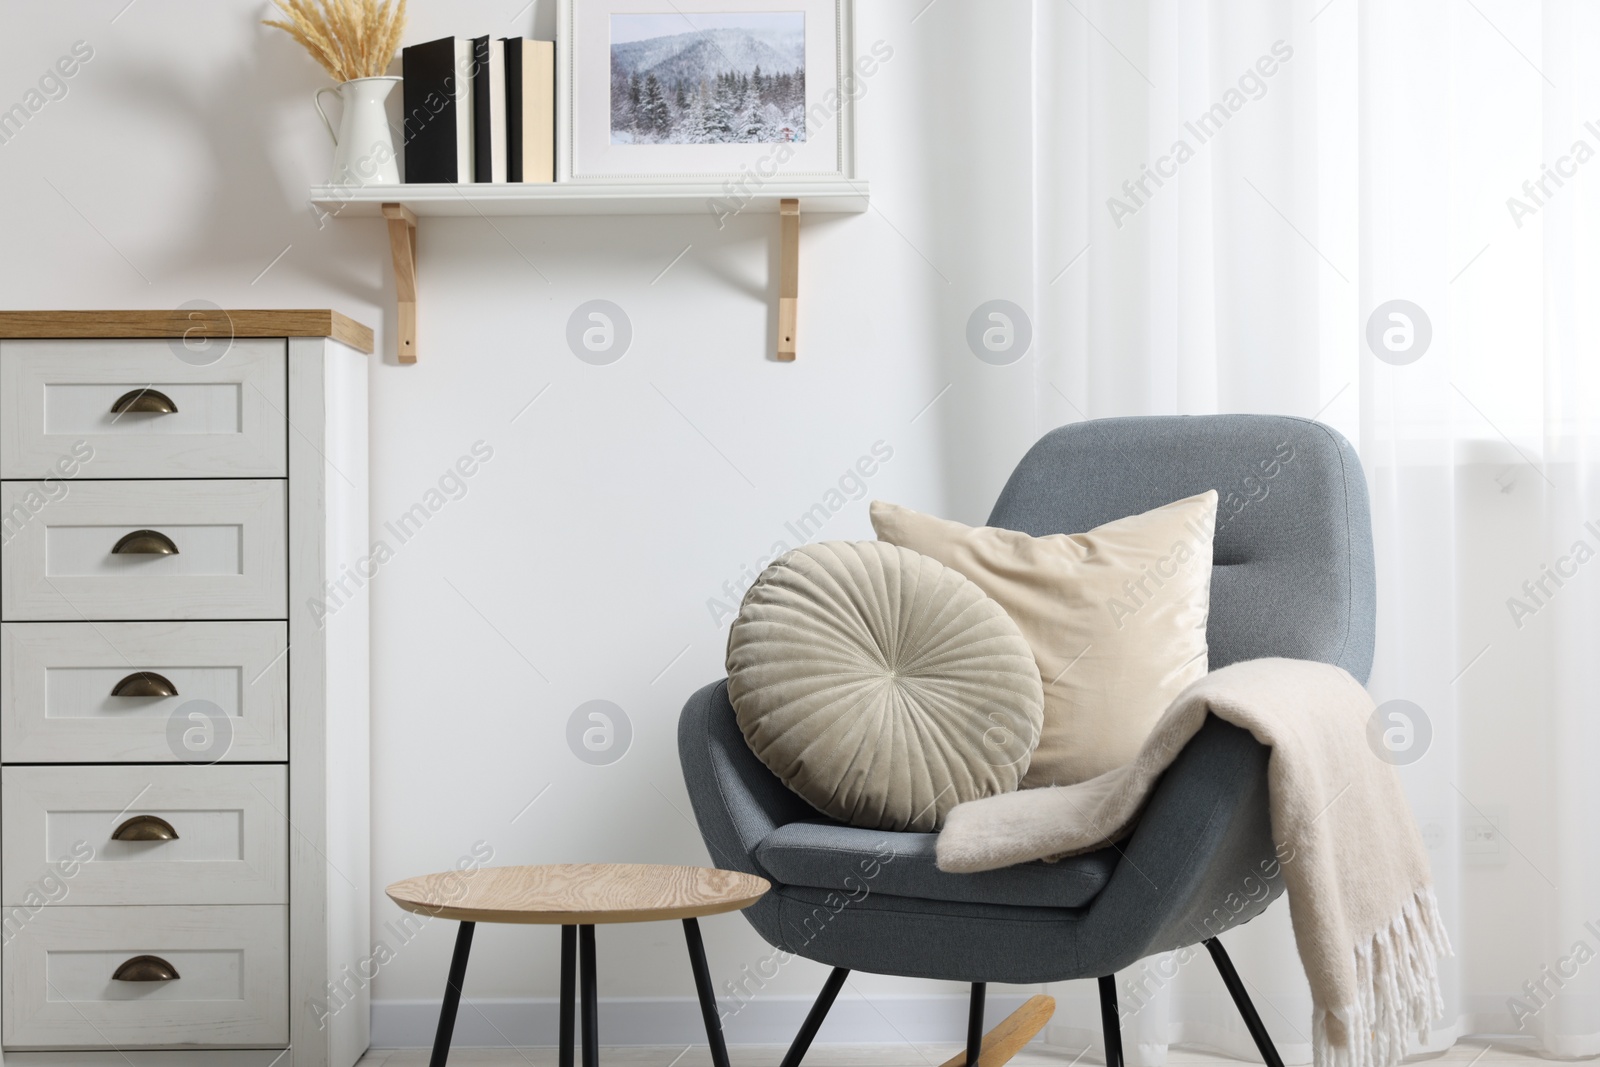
(580,561)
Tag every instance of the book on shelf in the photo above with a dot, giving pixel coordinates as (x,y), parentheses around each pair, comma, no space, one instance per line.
(530,110)
(488,110)
(480,109)
(438,122)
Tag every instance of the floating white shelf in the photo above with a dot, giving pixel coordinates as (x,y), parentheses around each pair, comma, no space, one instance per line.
(590,198)
(402,205)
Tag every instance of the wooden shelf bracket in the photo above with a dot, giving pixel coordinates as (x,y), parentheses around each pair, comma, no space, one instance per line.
(403,247)
(575,199)
(788,279)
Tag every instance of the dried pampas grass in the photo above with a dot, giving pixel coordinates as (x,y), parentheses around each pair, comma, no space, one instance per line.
(350,38)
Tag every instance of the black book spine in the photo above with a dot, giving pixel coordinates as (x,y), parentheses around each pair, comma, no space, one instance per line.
(513,109)
(483,109)
(429,123)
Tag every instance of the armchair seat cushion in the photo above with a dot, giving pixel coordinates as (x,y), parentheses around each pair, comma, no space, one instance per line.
(825,855)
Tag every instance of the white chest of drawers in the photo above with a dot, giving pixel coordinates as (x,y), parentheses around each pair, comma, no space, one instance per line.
(184,871)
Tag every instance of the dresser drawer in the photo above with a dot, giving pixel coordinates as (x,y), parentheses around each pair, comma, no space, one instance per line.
(60,699)
(62,561)
(93,835)
(60,399)
(231,989)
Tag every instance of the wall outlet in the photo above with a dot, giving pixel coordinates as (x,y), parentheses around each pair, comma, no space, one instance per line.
(1483,830)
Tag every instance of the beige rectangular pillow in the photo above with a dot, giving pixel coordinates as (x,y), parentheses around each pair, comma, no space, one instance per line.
(1116,618)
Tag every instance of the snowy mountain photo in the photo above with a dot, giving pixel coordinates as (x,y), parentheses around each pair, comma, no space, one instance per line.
(708,78)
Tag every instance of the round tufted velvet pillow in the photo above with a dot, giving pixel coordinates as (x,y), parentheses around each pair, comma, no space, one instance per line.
(882,686)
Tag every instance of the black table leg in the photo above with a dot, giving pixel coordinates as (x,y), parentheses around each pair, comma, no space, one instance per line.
(708,996)
(569,990)
(591,1015)
(452,996)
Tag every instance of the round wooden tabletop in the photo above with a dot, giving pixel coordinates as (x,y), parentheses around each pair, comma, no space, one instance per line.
(578,894)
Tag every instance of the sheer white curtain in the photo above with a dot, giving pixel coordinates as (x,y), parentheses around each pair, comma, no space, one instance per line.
(1227,192)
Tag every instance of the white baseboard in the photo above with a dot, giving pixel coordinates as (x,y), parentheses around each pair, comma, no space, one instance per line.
(676,1021)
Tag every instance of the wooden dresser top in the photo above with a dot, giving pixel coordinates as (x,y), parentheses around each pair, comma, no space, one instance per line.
(315,322)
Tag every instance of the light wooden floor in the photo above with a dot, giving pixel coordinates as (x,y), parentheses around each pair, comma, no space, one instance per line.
(1475,1053)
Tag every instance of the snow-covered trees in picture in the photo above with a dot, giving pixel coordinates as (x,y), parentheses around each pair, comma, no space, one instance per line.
(708,79)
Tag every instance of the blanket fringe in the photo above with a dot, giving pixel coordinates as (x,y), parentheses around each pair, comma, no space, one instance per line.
(1397,991)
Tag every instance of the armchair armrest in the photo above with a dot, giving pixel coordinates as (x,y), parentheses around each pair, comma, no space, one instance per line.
(737,800)
(1201,859)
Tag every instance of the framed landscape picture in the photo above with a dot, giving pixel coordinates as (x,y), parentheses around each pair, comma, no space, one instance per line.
(684,90)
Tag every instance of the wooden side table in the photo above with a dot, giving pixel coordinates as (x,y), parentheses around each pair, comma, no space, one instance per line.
(578,897)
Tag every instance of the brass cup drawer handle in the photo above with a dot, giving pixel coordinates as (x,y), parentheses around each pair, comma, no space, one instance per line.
(147,401)
(145,969)
(144,684)
(145,828)
(145,543)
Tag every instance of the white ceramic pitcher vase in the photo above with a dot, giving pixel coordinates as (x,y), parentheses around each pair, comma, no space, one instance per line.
(363,147)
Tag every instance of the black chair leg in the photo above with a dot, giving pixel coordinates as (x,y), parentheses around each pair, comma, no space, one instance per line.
(1241,1000)
(452,996)
(708,996)
(975,1024)
(1109,1021)
(819,1012)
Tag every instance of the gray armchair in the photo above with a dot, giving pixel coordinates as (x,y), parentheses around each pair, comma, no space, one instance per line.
(1292,577)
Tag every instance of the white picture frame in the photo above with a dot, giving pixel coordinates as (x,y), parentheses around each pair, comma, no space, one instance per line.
(585,151)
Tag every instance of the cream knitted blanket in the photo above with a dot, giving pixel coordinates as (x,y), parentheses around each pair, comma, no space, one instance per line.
(1360,894)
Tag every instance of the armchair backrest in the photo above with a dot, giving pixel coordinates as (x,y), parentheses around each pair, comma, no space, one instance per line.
(1292,562)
